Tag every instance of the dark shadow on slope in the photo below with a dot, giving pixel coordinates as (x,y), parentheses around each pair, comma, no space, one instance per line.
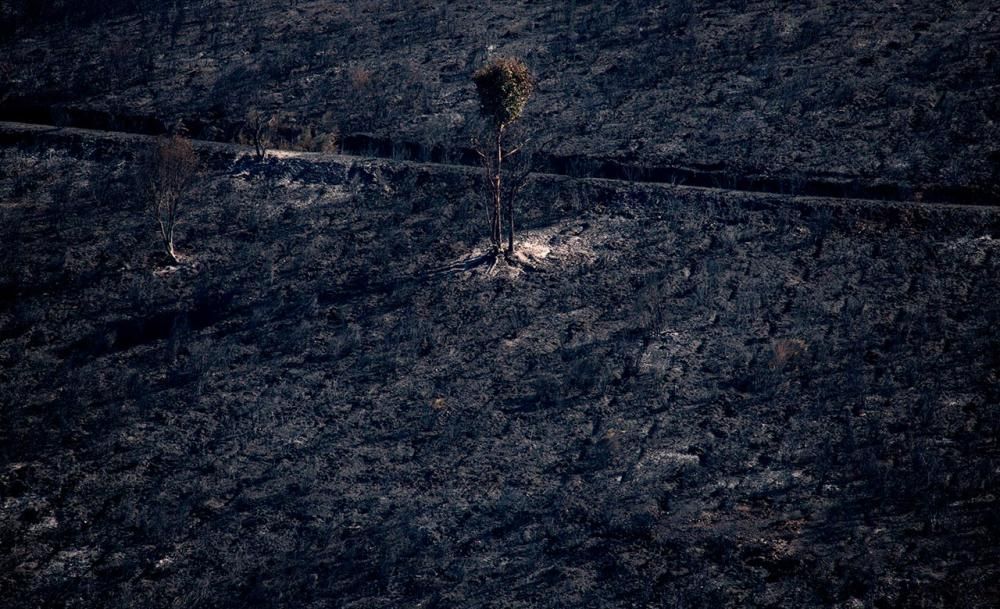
(126,334)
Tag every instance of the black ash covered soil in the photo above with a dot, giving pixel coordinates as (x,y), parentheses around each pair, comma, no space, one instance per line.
(897,94)
(683,398)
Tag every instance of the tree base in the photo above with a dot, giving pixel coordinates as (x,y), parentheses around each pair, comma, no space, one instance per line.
(505,258)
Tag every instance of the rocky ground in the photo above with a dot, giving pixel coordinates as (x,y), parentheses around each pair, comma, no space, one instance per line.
(683,397)
(898,93)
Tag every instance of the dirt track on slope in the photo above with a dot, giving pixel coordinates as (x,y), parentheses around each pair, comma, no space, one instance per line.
(594,170)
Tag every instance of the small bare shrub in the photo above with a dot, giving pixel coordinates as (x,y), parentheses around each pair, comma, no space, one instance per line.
(786,350)
(166,178)
(361,78)
(257,128)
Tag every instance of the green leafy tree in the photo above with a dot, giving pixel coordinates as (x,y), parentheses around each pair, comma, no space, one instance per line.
(504,86)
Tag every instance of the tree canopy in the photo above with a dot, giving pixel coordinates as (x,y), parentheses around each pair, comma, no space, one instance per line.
(504,86)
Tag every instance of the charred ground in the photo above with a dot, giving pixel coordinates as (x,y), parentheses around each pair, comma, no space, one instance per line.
(685,398)
(693,399)
(897,95)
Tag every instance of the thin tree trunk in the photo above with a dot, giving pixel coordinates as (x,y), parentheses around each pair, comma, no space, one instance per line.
(497,195)
(258,142)
(495,224)
(510,227)
(168,242)
(167,219)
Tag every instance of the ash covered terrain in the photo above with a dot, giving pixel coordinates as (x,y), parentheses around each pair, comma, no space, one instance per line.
(690,398)
(898,96)
(671,396)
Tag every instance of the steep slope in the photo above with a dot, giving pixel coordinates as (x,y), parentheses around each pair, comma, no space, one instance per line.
(904,94)
(693,399)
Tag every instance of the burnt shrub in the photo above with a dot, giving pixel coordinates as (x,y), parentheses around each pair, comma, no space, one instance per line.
(166,177)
